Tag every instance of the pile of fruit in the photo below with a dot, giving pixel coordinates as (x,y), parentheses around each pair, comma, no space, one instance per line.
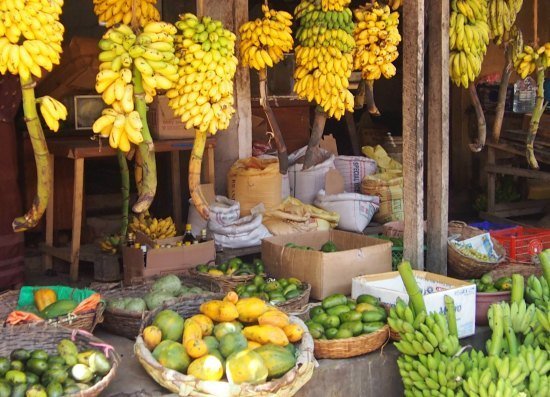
(156,229)
(329,246)
(233,267)
(272,290)
(40,374)
(339,317)
(244,340)
(123,11)
(47,305)
(163,290)
(486,283)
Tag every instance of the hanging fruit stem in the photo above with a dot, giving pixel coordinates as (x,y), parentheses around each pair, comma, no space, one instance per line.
(369,99)
(138,171)
(125,189)
(480,117)
(195,163)
(540,105)
(146,149)
(544,257)
(41,157)
(451,315)
(315,138)
(413,290)
(502,90)
(273,124)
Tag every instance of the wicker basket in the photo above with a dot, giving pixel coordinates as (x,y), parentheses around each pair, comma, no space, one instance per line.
(186,385)
(227,283)
(465,267)
(86,321)
(298,302)
(125,323)
(45,336)
(507,269)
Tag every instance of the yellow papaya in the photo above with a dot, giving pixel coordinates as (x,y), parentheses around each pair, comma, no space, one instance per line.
(253,345)
(196,348)
(250,309)
(205,323)
(293,332)
(231,296)
(191,330)
(219,311)
(246,366)
(208,367)
(264,334)
(152,335)
(274,317)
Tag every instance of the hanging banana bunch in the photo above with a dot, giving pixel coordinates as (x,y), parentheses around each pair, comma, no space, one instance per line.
(30,40)
(112,12)
(395,4)
(468,40)
(203,95)
(502,16)
(264,42)
(376,38)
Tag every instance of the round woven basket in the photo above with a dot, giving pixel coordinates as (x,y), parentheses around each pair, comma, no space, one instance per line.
(86,321)
(227,283)
(45,336)
(127,324)
(298,302)
(507,269)
(186,385)
(466,267)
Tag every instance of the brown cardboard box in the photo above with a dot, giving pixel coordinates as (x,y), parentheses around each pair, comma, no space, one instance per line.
(164,260)
(163,123)
(328,273)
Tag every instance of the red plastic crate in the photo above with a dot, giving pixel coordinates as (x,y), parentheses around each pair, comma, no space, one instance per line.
(521,243)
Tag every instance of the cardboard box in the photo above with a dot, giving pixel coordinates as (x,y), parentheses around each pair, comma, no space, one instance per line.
(163,123)
(328,273)
(164,260)
(388,287)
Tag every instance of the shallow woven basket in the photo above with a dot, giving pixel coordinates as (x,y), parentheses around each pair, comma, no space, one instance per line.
(45,336)
(298,302)
(227,283)
(125,323)
(465,267)
(507,269)
(349,347)
(86,321)
(186,385)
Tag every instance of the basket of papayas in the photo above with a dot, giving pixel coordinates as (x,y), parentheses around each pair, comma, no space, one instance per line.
(229,275)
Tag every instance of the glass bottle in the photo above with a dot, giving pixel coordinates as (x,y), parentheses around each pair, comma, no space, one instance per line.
(204,237)
(188,237)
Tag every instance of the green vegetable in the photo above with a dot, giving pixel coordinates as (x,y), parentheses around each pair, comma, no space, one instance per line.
(315,311)
(329,246)
(371,327)
(136,305)
(372,316)
(169,283)
(330,333)
(334,300)
(337,310)
(343,333)
(59,308)
(156,299)
(356,327)
(366,298)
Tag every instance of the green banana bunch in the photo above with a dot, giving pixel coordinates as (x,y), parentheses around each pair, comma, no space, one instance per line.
(468,40)
(537,291)
(539,386)
(324,60)
(484,383)
(436,373)
(521,316)
(502,16)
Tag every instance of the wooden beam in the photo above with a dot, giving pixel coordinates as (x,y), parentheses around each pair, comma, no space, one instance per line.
(438,136)
(507,170)
(413,131)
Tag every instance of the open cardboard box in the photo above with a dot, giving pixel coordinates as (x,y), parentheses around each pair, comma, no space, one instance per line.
(387,287)
(328,273)
(163,123)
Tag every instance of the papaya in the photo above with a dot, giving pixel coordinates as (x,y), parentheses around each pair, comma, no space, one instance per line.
(219,311)
(231,296)
(172,355)
(224,328)
(246,366)
(171,325)
(293,332)
(274,317)
(250,309)
(196,348)
(231,343)
(208,367)
(205,323)
(253,345)
(152,336)
(59,308)
(211,343)
(277,359)
(265,334)
(192,339)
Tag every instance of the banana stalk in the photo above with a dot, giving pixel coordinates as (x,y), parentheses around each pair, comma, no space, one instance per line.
(502,89)
(125,189)
(194,180)
(540,105)
(480,117)
(498,331)
(138,171)
(41,157)
(518,287)
(451,315)
(315,138)
(544,257)
(277,136)
(146,149)
(413,290)
(369,99)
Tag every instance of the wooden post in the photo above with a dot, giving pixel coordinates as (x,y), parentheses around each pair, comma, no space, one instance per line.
(413,131)
(438,136)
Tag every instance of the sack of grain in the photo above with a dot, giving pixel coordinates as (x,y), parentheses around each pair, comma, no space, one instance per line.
(353,169)
(388,186)
(305,184)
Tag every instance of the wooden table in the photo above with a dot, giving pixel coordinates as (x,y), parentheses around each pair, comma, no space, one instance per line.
(80,149)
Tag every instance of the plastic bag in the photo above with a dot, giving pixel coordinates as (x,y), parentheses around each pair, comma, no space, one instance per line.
(305,184)
(245,232)
(384,162)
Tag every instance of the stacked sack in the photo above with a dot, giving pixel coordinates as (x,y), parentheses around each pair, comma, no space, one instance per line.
(229,230)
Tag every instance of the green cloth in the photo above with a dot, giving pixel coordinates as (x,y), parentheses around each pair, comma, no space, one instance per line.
(26,295)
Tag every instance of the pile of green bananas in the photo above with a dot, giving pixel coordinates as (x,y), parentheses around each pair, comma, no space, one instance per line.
(422,333)
(203,96)
(469,36)
(324,60)
(264,41)
(502,16)
(376,37)
(112,12)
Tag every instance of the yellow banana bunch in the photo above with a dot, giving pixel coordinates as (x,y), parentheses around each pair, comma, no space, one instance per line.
(526,61)
(502,15)
(376,39)
(334,5)
(203,95)
(52,111)
(110,244)
(468,40)
(153,227)
(395,4)
(112,12)
(30,36)
(153,55)
(324,58)
(121,128)
(264,41)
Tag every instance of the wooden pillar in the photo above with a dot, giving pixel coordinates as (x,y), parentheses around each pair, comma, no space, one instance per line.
(413,130)
(438,136)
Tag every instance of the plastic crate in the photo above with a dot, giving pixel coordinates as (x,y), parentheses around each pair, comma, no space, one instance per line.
(521,243)
(486,225)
